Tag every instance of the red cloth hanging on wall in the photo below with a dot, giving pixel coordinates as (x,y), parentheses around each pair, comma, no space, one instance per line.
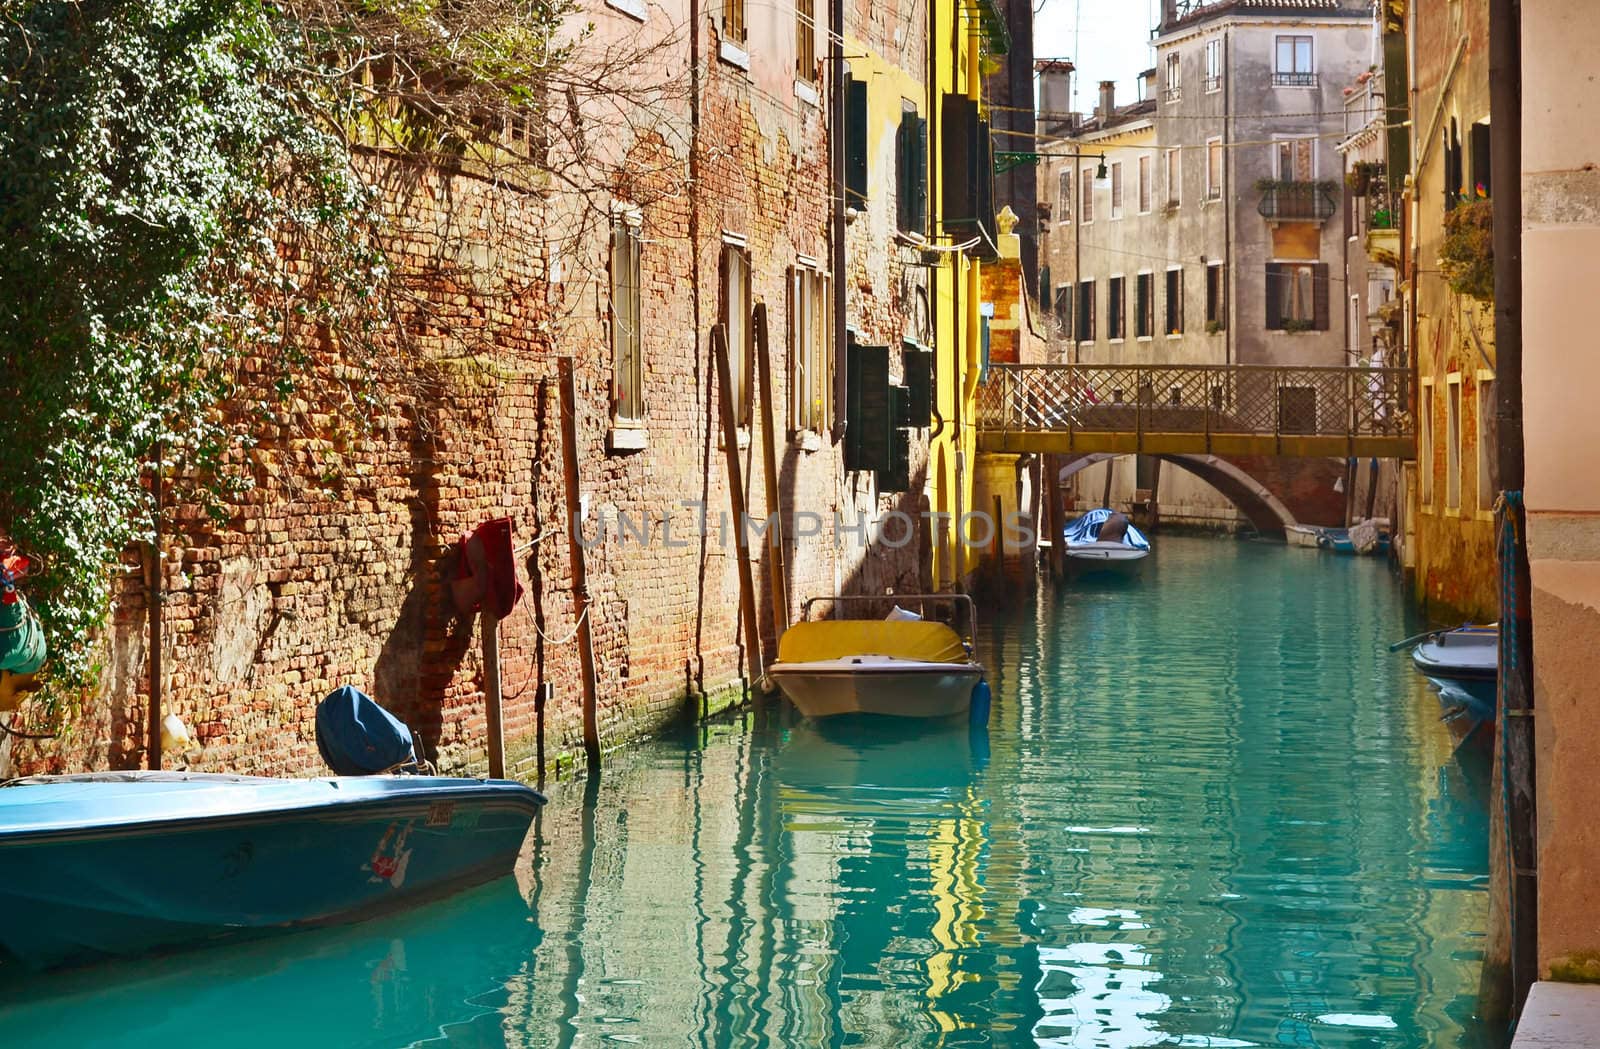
(486,569)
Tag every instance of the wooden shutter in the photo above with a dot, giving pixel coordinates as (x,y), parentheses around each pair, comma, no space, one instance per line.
(982,168)
(1277,282)
(868,435)
(919,178)
(855,151)
(1320,295)
(918,365)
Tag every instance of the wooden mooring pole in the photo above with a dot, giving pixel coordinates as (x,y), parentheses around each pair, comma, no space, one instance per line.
(491,690)
(777,570)
(730,445)
(1155,496)
(1105,498)
(580,568)
(1054,515)
(156,599)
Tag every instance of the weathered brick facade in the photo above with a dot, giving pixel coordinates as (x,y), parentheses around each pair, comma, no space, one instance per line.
(335,568)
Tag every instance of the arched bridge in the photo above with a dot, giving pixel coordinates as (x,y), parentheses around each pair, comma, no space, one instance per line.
(1197,409)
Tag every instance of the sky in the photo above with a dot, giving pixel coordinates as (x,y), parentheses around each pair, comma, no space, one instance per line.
(1114,42)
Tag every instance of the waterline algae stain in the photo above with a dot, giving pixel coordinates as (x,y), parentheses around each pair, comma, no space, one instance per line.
(1208,810)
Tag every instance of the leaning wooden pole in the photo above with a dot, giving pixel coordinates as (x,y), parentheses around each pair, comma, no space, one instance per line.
(156,599)
(1054,514)
(580,568)
(750,622)
(777,569)
(490,624)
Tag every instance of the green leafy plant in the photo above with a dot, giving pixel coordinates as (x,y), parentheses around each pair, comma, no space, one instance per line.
(1212,327)
(1466,254)
(1295,325)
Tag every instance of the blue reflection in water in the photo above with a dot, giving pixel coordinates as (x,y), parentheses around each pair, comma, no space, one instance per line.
(1210,810)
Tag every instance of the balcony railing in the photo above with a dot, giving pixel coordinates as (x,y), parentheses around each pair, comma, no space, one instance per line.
(1294,80)
(1213,83)
(1303,201)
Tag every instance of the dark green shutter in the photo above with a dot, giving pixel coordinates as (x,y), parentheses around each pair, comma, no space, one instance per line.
(1276,281)
(918,367)
(957,132)
(1046,304)
(867,438)
(897,476)
(982,168)
(919,174)
(1320,295)
(855,131)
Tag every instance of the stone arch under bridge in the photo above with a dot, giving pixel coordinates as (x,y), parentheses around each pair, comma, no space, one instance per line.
(1274,492)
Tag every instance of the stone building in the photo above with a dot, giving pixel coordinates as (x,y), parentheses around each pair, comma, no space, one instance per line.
(1214,234)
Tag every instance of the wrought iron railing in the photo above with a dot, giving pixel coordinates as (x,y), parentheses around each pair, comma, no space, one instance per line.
(1294,80)
(1257,400)
(1297,200)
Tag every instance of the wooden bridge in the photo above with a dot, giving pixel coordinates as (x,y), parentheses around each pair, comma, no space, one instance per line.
(1194,409)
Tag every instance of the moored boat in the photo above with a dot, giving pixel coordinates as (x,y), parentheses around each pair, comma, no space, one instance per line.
(1462,666)
(1104,539)
(121,863)
(909,668)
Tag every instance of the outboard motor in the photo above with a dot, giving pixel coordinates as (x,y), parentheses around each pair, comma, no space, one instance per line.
(359,738)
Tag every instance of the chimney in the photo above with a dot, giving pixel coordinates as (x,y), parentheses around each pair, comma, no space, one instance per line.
(1169,14)
(1108,100)
(1055,95)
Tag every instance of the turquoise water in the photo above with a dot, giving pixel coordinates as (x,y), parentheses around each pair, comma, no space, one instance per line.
(1210,810)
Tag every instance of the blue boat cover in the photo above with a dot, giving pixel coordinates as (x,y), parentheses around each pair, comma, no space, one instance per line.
(359,738)
(1086,529)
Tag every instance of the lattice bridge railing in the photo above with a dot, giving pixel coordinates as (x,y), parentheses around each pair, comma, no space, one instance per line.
(1177,407)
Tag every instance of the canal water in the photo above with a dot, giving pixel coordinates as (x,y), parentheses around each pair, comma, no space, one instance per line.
(1210,810)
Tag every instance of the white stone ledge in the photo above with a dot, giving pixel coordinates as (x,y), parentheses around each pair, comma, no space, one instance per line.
(1560,1016)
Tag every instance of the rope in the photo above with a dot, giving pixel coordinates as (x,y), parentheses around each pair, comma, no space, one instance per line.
(1508,510)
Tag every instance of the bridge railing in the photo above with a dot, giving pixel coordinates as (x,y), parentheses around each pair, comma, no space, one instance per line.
(1261,401)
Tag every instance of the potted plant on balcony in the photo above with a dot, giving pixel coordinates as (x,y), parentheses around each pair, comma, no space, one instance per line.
(1466,255)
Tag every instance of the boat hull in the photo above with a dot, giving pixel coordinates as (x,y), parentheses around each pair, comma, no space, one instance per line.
(286,854)
(865,685)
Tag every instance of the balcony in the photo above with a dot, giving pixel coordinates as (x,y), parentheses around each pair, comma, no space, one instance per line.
(1213,83)
(1296,201)
(1294,80)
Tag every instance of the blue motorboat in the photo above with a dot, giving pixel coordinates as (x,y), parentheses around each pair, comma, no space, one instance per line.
(1463,666)
(1104,539)
(117,863)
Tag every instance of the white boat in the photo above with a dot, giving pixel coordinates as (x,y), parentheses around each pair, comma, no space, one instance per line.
(1469,653)
(905,668)
(1123,547)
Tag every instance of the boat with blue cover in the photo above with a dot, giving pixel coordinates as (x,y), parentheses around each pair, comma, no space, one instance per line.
(116,863)
(1104,539)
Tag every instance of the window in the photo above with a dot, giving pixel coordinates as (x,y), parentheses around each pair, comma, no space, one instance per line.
(1116,190)
(733,25)
(627,351)
(1063,309)
(1216,296)
(1478,143)
(911,170)
(855,142)
(1086,187)
(1294,159)
(1144,305)
(1488,450)
(1425,442)
(1116,322)
(1213,66)
(1293,67)
(805,41)
(1146,191)
(1297,296)
(1065,195)
(810,351)
(1452,448)
(1213,169)
(1174,302)
(1086,311)
(1174,88)
(735,317)
(1174,177)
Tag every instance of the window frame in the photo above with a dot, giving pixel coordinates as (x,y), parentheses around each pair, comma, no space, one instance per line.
(1086,192)
(1293,142)
(1452,447)
(1217,294)
(1294,77)
(1214,188)
(1487,443)
(1084,317)
(1214,66)
(627,361)
(1174,166)
(1116,190)
(1310,285)
(741,357)
(1174,303)
(1116,308)
(1144,306)
(1147,189)
(1172,89)
(1064,186)
(805,42)
(810,407)
(1425,434)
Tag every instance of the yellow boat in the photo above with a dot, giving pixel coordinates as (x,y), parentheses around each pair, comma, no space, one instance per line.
(907,668)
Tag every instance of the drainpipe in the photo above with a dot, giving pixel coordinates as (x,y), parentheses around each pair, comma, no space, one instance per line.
(836,260)
(1516,700)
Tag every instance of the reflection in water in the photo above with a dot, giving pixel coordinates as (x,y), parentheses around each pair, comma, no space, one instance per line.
(1210,810)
